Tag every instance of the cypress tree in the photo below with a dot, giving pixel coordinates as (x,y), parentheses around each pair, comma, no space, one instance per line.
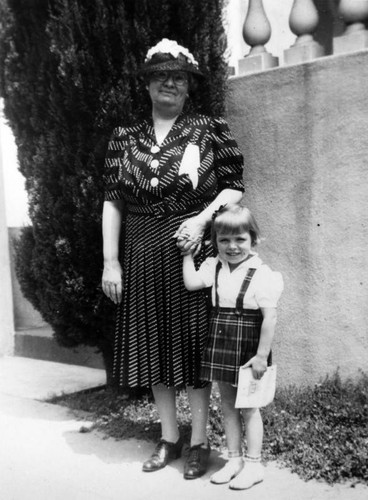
(68,75)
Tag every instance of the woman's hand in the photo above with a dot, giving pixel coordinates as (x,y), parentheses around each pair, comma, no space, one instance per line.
(112,281)
(189,235)
(259,366)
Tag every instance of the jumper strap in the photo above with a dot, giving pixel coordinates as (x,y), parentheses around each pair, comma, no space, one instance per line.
(243,289)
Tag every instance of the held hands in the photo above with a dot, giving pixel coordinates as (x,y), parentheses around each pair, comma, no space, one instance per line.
(189,236)
(112,281)
(259,366)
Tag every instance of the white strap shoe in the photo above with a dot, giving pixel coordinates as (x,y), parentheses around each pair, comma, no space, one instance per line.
(252,473)
(232,467)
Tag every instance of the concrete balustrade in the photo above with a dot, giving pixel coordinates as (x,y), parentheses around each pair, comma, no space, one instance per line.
(303,22)
(256,33)
(355,16)
(321,29)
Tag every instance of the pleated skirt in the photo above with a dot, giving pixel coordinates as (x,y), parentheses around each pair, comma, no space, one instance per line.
(161,328)
(232,341)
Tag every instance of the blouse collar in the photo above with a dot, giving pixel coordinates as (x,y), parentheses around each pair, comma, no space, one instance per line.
(253,262)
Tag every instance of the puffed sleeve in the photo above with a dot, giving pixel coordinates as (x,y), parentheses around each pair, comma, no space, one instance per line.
(115,151)
(268,287)
(207,271)
(229,160)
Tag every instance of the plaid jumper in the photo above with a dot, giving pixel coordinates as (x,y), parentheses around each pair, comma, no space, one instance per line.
(233,336)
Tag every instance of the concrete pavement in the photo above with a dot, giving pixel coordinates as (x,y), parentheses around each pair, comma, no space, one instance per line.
(45,456)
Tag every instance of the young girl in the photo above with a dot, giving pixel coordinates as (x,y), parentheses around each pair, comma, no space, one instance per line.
(242,323)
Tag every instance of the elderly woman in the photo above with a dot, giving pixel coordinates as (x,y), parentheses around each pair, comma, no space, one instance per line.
(165,176)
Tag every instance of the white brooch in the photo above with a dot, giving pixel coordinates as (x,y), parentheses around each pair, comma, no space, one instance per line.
(167,46)
(190,164)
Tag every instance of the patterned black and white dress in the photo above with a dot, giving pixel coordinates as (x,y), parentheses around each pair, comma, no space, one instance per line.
(161,328)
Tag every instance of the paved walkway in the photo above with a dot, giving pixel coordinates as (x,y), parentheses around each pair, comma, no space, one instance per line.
(44,456)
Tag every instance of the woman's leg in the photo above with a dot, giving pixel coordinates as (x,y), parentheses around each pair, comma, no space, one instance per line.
(199,400)
(170,445)
(233,431)
(165,399)
(253,471)
(199,452)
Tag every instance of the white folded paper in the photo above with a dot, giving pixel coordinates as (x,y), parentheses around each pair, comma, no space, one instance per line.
(254,393)
(190,163)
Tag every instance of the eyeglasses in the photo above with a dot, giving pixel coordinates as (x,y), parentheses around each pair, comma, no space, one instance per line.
(180,78)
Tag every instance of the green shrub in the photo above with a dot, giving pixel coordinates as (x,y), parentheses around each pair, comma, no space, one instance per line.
(68,76)
(321,432)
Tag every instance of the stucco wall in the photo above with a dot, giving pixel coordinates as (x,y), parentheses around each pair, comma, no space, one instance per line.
(304,133)
(25,316)
(6,303)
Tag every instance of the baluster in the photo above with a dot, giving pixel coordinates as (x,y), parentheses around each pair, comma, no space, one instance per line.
(303,22)
(256,33)
(355,36)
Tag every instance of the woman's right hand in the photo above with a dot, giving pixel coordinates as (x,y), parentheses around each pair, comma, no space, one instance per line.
(189,236)
(112,281)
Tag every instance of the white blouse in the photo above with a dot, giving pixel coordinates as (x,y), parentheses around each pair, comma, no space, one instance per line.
(264,289)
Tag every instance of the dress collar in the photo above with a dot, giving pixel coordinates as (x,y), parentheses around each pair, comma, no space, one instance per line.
(176,129)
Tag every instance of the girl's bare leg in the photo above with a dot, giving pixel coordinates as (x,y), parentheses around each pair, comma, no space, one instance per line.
(254,431)
(253,471)
(233,431)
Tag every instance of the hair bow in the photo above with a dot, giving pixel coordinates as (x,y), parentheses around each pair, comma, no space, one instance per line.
(218,211)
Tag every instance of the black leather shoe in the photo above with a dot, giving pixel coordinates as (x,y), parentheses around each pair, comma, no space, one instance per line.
(164,453)
(197,461)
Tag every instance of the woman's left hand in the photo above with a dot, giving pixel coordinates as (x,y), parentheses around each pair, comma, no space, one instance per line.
(189,235)
(259,366)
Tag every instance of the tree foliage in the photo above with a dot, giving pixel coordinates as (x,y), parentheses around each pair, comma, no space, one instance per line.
(68,75)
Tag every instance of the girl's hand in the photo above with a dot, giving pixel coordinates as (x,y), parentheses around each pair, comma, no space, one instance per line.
(112,281)
(189,236)
(259,366)
(192,251)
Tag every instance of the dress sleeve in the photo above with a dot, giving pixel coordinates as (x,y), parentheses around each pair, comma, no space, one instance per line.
(229,160)
(114,154)
(268,287)
(207,271)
